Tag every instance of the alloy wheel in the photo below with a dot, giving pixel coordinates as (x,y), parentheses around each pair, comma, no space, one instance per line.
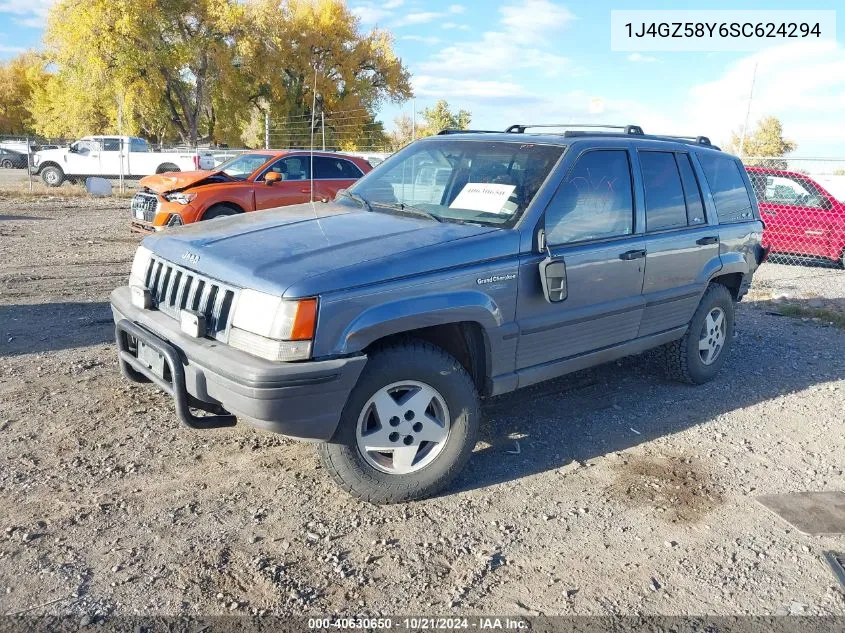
(403,427)
(711,341)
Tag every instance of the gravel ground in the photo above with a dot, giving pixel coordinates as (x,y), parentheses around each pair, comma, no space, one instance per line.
(612,491)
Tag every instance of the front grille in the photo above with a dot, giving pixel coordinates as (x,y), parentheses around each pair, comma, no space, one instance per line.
(144,206)
(174,288)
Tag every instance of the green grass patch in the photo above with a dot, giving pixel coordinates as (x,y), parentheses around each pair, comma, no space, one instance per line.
(823,314)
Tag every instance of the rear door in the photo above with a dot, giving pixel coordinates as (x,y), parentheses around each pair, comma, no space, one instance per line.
(110,157)
(293,188)
(589,231)
(331,174)
(683,249)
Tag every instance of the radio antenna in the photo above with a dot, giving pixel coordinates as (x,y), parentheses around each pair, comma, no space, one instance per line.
(313,111)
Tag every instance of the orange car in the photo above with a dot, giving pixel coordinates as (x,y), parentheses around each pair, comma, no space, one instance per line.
(250,182)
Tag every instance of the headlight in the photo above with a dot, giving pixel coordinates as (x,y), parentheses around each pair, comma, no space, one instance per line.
(180,197)
(273,328)
(138,275)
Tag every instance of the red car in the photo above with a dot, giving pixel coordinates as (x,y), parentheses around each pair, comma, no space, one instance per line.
(261,179)
(802,217)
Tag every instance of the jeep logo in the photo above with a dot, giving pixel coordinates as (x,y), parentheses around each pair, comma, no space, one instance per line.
(191,258)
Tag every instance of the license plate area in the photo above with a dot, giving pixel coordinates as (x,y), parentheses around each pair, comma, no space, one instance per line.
(152,360)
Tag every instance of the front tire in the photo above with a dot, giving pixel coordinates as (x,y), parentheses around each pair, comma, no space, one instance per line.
(700,354)
(6,164)
(219,211)
(52,176)
(408,428)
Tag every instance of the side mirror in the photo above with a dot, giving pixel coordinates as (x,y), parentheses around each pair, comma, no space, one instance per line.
(271,176)
(553,278)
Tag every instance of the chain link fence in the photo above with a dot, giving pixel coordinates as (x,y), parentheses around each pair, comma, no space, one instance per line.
(349,130)
(802,202)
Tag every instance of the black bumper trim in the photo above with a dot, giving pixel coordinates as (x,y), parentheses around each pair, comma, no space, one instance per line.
(134,370)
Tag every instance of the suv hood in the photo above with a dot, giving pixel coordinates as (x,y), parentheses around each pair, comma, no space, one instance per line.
(305,250)
(175,180)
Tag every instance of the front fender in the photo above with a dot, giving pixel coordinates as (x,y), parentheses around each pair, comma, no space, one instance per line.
(418,312)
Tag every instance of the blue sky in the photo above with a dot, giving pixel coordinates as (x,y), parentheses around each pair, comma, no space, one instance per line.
(511,61)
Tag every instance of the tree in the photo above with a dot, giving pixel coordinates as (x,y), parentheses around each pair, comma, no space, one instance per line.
(145,61)
(18,78)
(207,70)
(440,117)
(764,142)
(355,72)
(403,133)
(434,119)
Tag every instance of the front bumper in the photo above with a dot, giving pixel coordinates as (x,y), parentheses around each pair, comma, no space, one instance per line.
(302,400)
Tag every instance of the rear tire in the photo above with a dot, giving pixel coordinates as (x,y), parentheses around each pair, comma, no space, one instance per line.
(6,164)
(700,354)
(52,176)
(166,167)
(436,434)
(219,211)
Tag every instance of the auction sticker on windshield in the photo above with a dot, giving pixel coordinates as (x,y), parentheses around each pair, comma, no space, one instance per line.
(486,197)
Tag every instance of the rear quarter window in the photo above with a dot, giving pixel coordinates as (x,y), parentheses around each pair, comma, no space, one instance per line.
(730,195)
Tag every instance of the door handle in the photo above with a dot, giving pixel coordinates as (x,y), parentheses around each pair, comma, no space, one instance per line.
(711,239)
(629,255)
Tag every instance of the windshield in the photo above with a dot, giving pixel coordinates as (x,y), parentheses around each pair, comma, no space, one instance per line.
(458,180)
(241,167)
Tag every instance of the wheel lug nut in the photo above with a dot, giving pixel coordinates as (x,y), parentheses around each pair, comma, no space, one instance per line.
(409,415)
(393,437)
(409,439)
(394,421)
(417,427)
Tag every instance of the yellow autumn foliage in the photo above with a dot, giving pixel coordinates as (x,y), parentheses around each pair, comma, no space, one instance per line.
(206,70)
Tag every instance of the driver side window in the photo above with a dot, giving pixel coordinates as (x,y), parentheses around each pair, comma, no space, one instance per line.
(594,202)
(291,168)
(86,147)
(790,191)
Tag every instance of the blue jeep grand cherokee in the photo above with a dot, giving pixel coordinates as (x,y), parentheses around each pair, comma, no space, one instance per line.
(467,265)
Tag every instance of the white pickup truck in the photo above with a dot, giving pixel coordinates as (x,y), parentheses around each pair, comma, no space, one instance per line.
(112,157)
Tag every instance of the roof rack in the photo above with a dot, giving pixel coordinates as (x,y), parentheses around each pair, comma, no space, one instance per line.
(591,129)
(520,128)
(456,131)
(698,140)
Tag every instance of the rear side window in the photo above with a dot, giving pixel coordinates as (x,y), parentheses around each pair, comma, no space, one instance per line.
(595,201)
(692,191)
(665,206)
(335,169)
(729,193)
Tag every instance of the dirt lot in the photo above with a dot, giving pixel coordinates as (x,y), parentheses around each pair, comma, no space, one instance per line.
(613,491)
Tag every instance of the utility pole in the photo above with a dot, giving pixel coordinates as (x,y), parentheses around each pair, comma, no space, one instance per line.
(414,121)
(267,130)
(747,112)
(323,125)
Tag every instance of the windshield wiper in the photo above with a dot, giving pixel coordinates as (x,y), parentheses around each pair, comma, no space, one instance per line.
(410,210)
(357,197)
